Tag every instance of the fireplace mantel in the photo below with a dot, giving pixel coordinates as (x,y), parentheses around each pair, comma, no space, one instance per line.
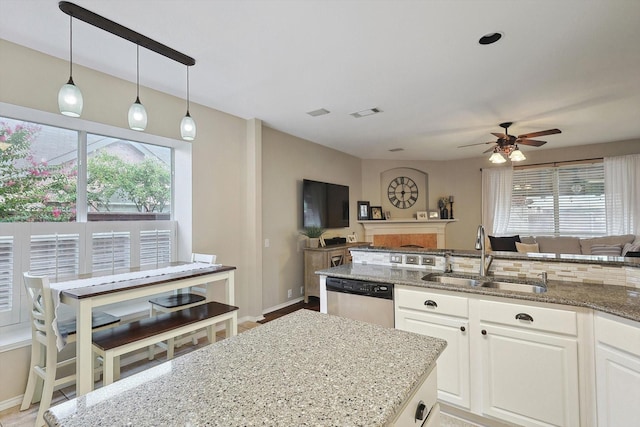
(406,227)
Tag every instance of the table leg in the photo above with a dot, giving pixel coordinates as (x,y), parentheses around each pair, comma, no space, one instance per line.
(84,362)
(231,326)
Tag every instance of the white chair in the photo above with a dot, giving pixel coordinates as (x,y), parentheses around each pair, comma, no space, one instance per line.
(179,301)
(44,353)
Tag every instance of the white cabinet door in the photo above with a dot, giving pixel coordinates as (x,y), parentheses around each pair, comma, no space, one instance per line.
(617,371)
(437,315)
(529,378)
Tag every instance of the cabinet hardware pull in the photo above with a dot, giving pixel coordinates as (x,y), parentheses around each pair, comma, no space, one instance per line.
(431,303)
(462,328)
(484,332)
(420,411)
(524,316)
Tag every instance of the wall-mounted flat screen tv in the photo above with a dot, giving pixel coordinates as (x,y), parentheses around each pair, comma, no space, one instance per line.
(324,205)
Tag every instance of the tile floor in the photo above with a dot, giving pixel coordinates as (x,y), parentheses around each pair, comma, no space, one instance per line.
(13,417)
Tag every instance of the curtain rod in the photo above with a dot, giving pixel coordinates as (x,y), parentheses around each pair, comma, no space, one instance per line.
(563,163)
(114,28)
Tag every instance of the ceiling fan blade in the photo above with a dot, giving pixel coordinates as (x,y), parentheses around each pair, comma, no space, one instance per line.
(531,142)
(489,150)
(477,143)
(499,135)
(541,133)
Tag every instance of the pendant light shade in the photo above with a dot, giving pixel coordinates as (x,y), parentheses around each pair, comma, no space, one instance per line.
(517,155)
(188,125)
(137,113)
(69,96)
(497,157)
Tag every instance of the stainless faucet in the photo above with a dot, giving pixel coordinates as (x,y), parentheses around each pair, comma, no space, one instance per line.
(485,262)
(447,262)
(543,275)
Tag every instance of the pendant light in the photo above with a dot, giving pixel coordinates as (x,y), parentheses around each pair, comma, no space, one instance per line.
(497,157)
(137,113)
(517,155)
(69,96)
(188,125)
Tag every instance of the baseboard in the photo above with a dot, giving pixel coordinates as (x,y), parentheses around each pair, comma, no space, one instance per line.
(10,403)
(281,306)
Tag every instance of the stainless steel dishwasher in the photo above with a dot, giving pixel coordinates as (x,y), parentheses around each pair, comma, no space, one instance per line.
(360,300)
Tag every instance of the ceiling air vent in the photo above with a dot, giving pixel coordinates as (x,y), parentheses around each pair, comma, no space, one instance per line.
(395,150)
(367,112)
(320,112)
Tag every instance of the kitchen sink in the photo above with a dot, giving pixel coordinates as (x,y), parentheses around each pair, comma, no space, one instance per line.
(517,287)
(450,280)
(485,282)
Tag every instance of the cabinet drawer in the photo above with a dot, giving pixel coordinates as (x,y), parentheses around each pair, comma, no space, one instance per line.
(619,333)
(430,302)
(542,319)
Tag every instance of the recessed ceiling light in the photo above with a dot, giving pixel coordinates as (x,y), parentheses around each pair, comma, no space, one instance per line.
(367,112)
(319,112)
(490,38)
(394,150)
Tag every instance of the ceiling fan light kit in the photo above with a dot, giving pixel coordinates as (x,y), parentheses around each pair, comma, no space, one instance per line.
(70,99)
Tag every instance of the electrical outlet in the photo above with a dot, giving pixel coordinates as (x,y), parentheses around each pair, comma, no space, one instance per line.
(289,293)
(301,290)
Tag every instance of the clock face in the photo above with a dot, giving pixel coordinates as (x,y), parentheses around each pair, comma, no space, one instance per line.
(402,192)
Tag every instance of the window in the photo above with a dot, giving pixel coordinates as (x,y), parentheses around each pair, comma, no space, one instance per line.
(66,210)
(565,200)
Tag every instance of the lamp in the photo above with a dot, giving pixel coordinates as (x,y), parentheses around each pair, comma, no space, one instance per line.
(497,157)
(188,125)
(516,155)
(69,96)
(137,113)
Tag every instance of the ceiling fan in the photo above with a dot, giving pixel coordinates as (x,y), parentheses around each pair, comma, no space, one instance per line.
(507,145)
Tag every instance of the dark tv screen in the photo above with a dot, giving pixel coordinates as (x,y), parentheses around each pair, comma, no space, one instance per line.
(324,205)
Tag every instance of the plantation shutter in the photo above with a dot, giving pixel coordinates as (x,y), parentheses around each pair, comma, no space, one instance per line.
(155,247)
(558,201)
(55,255)
(110,251)
(6,273)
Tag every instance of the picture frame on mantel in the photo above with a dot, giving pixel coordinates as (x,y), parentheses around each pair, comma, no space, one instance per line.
(363,210)
(434,214)
(376,213)
(421,216)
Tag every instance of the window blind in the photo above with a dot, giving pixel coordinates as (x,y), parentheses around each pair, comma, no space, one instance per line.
(155,247)
(55,255)
(6,273)
(110,251)
(558,201)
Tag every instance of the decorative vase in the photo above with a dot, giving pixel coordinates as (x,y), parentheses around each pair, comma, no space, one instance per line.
(444,213)
(314,242)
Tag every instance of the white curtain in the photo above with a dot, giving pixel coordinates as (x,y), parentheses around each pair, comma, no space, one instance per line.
(497,184)
(622,194)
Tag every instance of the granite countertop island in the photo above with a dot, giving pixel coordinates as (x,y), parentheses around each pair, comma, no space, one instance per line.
(306,368)
(618,300)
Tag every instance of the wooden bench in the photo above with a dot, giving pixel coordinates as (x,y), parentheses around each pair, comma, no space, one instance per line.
(114,342)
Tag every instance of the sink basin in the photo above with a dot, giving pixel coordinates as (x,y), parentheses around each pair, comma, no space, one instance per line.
(449,280)
(485,282)
(517,287)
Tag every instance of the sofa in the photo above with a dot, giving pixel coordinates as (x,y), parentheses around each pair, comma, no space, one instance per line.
(606,245)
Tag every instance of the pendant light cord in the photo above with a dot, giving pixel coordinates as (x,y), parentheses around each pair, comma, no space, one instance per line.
(187,90)
(70,48)
(138,73)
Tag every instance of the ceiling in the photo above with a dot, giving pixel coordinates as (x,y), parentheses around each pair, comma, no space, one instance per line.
(572,65)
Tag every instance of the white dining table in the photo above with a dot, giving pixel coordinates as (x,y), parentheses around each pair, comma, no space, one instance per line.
(85,299)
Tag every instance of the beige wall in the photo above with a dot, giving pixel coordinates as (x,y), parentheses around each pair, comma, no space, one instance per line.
(286,161)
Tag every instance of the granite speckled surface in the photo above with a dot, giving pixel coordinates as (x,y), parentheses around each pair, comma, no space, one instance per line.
(304,369)
(618,300)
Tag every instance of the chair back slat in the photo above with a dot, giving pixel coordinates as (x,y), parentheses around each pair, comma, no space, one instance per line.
(39,294)
(206,258)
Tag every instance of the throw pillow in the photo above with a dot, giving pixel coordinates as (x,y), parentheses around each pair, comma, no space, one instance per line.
(607,250)
(524,247)
(631,247)
(504,243)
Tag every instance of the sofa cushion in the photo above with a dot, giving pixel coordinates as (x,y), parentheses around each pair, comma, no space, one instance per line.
(527,247)
(529,240)
(606,250)
(559,245)
(504,243)
(585,244)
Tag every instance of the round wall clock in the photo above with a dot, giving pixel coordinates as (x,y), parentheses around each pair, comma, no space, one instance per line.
(402,192)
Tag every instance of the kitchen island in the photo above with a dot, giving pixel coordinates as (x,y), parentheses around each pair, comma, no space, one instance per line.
(305,368)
